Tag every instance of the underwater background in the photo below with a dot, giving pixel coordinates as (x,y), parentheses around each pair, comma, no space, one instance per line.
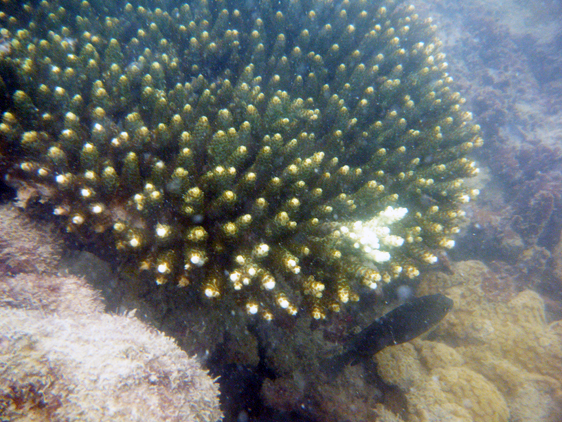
(97,232)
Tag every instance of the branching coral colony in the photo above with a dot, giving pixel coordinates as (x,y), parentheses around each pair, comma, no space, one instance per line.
(280,156)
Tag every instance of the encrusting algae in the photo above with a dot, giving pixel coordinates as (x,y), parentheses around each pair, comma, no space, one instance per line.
(276,155)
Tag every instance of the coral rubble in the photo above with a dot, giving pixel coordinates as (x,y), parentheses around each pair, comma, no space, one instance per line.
(277,156)
(62,358)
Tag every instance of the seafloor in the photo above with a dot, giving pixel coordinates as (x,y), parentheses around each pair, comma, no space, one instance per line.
(498,355)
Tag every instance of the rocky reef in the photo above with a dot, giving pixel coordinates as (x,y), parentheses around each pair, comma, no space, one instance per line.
(504,55)
(62,358)
(267,157)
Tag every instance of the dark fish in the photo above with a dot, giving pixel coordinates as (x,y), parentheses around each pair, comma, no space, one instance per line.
(398,326)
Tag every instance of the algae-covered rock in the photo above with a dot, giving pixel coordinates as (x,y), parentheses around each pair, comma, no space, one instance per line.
(25,246)
(98,367)
(63,359)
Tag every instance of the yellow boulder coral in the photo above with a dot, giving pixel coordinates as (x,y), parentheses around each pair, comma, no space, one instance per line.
(493,359)
(437,387)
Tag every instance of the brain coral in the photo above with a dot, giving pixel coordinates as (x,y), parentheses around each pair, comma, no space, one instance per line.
(275,155)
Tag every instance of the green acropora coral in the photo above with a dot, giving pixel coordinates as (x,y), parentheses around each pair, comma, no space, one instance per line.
(276,155)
